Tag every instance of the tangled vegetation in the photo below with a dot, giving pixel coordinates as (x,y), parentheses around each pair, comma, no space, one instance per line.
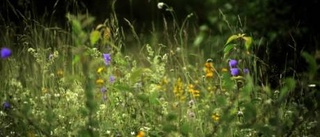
(79,81)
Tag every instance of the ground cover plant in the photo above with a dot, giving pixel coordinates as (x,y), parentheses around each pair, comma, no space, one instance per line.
(84,80)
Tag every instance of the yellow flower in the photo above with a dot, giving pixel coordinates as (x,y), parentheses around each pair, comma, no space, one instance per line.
(209,69)
(99,81)
(224,70)
(193,91)
(191,87)
(178,89)
(209,75)
(60,73)
(100,69)
(215,117)
(141,134)
(44,90)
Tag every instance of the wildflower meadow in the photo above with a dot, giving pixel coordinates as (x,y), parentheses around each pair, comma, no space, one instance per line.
(95,79)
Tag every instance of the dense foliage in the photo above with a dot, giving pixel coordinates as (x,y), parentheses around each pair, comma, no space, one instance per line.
(192,73)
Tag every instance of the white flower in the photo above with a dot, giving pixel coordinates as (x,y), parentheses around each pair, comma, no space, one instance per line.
(240,113)
(160,5)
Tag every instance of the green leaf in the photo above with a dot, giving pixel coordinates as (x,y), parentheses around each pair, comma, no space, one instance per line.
(312,63)
(199,39)
(283,92)
(76,59)
(290,85)
(231,38)
(94,37)
(76,27)
(248,42)
(153,98)
(227,49)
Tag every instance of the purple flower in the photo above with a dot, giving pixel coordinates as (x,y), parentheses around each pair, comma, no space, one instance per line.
(107,59)
(246,71)
(234,71)
(6,105)
(103,91)
(112,79)
(5,53)
(233,63)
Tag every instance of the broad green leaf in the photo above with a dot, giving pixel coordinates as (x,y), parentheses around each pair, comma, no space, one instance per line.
(94,37)
(312,63)
(283,92)
(231,38)
(76,59)
(76,27)
(199,39)
(227,49)
(290,84)
(248,42)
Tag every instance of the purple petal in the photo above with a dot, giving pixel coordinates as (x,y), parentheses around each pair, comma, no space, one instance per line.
(107,59)
(233,63)
(5,53)
(6,105)
(246,71)
(112,79)
(103,89)
(234,71)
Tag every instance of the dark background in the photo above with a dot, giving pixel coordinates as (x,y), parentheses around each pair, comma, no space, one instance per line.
(288,27)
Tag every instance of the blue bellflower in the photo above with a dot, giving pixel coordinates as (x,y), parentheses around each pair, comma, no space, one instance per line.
(107,59)
(5,53)
(103,91)
(233,63)
(6,105)
(112,79)
(234,71)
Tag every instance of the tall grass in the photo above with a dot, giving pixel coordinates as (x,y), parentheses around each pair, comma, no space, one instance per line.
(58,83)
